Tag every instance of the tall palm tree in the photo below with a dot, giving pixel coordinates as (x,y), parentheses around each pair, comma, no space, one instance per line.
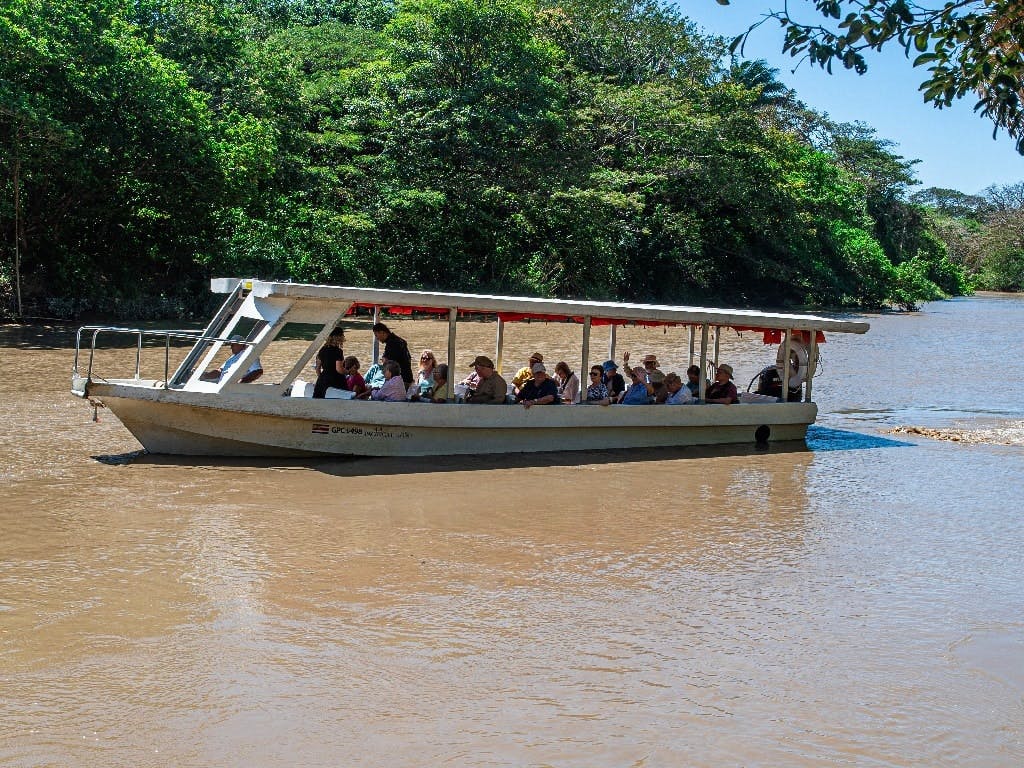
(758,76)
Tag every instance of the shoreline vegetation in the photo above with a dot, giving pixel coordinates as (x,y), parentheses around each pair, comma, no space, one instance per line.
(601,149)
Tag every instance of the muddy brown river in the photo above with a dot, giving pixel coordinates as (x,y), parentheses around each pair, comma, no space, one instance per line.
(857,602)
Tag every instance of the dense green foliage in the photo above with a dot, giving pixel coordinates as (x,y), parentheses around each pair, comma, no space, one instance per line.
(598,148)
(968,47)
(985,233)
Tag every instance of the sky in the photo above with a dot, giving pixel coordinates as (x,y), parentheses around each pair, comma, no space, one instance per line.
(954,145)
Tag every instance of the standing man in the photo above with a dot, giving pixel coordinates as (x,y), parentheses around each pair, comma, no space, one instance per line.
(491,389)
(395,349)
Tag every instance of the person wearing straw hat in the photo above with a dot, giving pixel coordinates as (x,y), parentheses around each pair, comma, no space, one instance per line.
(652,374)
(722,391)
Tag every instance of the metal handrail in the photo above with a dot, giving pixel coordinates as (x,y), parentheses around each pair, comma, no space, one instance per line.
(139,333)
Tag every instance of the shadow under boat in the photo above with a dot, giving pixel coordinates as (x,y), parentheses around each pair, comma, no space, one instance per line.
(819,439)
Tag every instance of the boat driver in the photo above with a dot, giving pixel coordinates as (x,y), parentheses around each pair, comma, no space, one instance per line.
(237,348)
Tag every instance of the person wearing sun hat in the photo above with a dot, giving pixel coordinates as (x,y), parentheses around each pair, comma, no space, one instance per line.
(491,389)
(525,373)
(722,391)
(613,379)
(652,374)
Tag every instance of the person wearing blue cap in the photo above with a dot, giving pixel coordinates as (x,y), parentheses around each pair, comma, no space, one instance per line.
(613,379)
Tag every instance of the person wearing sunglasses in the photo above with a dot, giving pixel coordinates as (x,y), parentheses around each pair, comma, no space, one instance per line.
(597,392)
(425,376)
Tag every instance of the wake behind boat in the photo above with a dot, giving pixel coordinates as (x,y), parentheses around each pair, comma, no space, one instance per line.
(190,412)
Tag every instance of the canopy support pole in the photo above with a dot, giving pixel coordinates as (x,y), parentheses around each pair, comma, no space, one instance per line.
(788,346)
(703,361)
(585,365)
(376,343)
(718,334)
(812,363)
(692,333)
(453,314)
(611,341)
(499,345)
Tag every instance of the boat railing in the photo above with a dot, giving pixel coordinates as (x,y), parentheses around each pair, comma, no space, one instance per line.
(139,334)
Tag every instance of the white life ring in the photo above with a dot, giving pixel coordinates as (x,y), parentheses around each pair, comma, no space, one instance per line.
(798,359)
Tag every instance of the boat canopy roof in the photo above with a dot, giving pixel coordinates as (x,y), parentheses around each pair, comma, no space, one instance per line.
(514,308)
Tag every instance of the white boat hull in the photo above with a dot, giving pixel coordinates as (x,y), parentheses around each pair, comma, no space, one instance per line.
(168,421)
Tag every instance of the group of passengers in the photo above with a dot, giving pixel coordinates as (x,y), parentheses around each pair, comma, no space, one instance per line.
(391,379)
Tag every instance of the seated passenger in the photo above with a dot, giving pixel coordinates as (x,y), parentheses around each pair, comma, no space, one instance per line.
(525,373)
(568,384)
(540,390)
(425,375)
(652,375)
(693,380)
(354,382)
(675,392)
(490,388)
(393,390)
(439,392)
(639,392)
(723,391)
(597,392)
(375,376)
(613,379)
(237,348)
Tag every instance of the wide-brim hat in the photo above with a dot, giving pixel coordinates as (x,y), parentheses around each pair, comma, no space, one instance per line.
(537,356)
(609,365)
(482,361)
(726,369)
(651,359)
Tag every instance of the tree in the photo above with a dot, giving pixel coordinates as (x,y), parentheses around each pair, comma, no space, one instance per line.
(967,46)
(758,76)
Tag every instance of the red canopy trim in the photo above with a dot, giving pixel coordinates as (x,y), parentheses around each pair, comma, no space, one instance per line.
(403,310)
(774,335)
(770,335)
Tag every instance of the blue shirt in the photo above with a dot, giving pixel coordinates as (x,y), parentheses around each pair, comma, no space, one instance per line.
(375,376)
(682,397)
(636,395)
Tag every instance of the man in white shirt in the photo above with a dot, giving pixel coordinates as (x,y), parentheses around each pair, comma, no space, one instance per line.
(237,348)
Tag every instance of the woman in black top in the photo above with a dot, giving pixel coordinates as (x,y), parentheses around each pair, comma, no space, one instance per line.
(329,369)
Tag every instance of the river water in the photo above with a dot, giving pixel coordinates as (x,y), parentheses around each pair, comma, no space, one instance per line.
(858,602)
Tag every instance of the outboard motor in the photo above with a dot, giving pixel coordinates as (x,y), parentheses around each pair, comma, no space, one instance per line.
(769,382)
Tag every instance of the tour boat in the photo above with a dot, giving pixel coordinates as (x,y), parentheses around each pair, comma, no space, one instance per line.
(275,416)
